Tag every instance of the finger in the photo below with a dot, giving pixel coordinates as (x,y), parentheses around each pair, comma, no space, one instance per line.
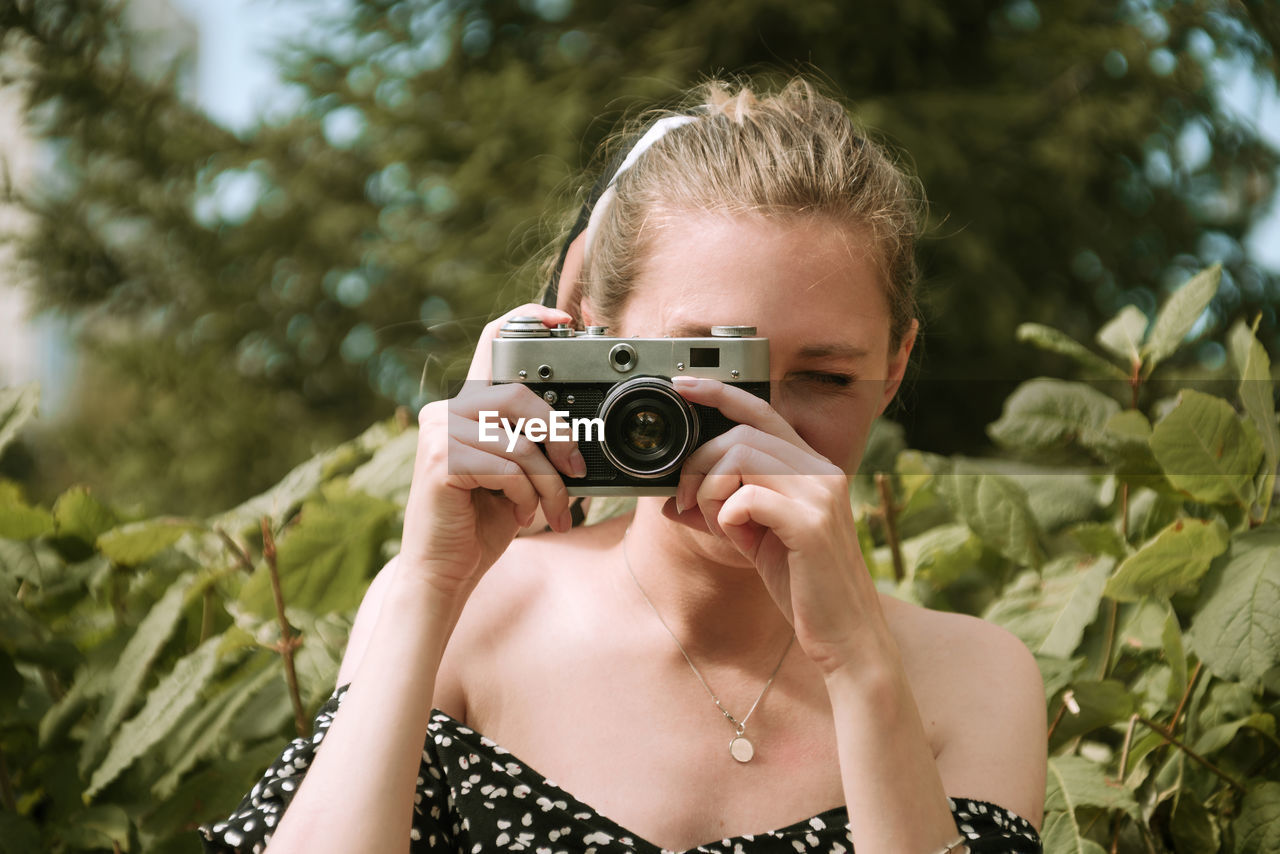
(753,509)
(790,459)
(553,494)
(742,465)
(487,406)
(737,404)
(470,468)
(481,369)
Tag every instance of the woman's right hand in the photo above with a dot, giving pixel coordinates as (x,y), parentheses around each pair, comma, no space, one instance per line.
(468,498)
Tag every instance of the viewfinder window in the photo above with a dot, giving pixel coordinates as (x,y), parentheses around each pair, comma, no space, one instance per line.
(704,357)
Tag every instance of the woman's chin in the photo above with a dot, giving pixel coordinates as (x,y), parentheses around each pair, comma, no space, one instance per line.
(718,547)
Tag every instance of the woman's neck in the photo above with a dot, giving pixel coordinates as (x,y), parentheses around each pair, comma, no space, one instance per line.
(709,595)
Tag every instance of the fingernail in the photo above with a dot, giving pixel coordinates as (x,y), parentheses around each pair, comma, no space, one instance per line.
(680,508)
(686,381)
(566,520)
(577,463)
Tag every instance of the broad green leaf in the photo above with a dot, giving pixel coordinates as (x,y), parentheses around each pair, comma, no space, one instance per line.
(278,501)
(1256,396)
(138,542)
(1175,654)
(198,739)
(19,520)
(166,705)
(1050,610)
(1056,341)
(132,667)
(18,835)
(1075,782)
(18,405)
(1125,443)
(1192,829)
(80,517)
(1236,631)
(1217,737)
(1172,562)
(1122,335)
(1178,315)
(1207,451)
(326,560)
(1058,498)
(1257,827)
(1048,413)
(1099,538)
(1093,705)
(995,508)
(941,554)
(63,714)
(105,826)
(388,472)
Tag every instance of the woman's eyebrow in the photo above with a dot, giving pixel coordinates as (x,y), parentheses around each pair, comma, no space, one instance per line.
(825,351)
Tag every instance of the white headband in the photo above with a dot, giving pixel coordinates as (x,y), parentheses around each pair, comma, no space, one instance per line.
(659,129)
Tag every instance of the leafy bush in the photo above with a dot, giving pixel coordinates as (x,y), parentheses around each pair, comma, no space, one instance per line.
(1127,541)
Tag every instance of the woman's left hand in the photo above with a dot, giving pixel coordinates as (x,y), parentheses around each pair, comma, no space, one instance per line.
(786,508)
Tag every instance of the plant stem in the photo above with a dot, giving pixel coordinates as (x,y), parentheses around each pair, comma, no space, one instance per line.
(288,643)
(241,556)
(889,513)
(1173,724)
(1124,751)
(1062,710)
(206,615)
(1172,739)
(1124,511)
(1112,606)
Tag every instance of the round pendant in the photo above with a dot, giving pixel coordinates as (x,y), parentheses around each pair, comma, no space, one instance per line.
(741,749)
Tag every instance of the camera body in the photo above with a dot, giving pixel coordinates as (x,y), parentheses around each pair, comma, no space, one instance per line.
(636,428)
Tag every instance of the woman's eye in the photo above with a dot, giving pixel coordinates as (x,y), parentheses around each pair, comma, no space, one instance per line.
(840,380)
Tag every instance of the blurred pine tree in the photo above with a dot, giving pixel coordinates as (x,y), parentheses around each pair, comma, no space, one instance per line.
(248,299)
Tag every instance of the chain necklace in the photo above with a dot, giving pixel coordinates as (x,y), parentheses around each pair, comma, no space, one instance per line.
(739,747)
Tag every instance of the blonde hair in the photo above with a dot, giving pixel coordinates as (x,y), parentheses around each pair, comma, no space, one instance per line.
(795,152)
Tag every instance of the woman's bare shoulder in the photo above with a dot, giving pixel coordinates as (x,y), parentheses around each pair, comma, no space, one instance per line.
(980,688)
(529,588)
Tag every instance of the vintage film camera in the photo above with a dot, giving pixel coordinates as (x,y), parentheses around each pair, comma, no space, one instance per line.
(637,429)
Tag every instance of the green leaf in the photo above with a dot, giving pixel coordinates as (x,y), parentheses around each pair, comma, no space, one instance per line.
(941,554)
(1192,829)
(1048,413)
(138,542)
(1175,654)
(18,835)
(166,705)
(206,730)
(133,666)
(105,826)
(995,508)
(1206,450)
(1171,562)
(1257,828)
(388,472)
(1217,737)
(18,405)
(79,519)
(1236,631)
(1075,782)
(1093,705)
(1178,315)
(1056,341)
(1049,611)
(278,501)
(1099,538)
(19,520)
(326,560)
(1122,335)
(1256,390)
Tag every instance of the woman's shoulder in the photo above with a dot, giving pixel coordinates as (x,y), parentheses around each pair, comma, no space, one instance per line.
(980,687)
(533,585)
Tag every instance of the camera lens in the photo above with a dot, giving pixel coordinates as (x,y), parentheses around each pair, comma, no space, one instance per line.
(649,429)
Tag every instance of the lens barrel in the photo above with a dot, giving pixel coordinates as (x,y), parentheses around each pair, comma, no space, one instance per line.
(649,429)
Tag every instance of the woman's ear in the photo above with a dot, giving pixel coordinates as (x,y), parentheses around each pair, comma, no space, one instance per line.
(897,367)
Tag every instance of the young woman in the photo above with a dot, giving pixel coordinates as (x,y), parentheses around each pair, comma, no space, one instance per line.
(716,671)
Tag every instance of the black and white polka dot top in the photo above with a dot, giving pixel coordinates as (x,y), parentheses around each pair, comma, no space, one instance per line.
(473,796)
